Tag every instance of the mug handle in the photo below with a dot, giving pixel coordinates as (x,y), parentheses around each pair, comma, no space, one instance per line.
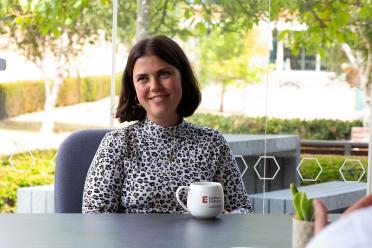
(178,196)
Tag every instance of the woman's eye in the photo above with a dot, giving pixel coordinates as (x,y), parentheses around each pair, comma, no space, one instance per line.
(141,79)
(164,74)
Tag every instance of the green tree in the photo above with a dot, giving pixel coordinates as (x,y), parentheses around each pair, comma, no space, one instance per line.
(52,29)
(225,60)
(330,24)
(185,18)
(60,29)
(140,19)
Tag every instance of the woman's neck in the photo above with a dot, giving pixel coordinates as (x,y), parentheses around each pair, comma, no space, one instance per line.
(168,122)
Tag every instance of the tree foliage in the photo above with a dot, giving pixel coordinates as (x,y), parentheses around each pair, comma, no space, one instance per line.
(329,24)
(185,18)
(59,30)
(62,28)
(225,59)
(40,27)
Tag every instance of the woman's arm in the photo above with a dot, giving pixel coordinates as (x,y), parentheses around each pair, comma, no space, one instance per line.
(104,180)
(236,198)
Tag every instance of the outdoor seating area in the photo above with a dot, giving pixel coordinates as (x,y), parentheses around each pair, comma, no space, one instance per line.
(77,151)
(190,124)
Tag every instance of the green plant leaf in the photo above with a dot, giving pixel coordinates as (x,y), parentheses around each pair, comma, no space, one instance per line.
(201,28)
(293,188)
(77,4)
(311,209)
(283,34)
(296,206)
(303,206)
(306,206)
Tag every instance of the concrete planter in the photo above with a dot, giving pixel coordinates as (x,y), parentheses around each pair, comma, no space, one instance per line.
(302,232)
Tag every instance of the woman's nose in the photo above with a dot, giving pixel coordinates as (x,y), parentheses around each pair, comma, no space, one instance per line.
(155,83)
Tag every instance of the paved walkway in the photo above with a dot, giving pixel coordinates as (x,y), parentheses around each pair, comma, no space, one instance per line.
(304,95)
(94,114)
(17,141)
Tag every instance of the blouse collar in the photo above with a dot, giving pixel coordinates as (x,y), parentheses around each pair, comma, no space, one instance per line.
(154,130)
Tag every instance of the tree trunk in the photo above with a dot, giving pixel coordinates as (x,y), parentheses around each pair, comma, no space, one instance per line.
(50,103)
(46,126)
(368,71)
(222,96)
(47,88)
(143,19)
(367,81)
(51,93)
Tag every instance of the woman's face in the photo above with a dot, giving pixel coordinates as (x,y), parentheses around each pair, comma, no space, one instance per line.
(158,88)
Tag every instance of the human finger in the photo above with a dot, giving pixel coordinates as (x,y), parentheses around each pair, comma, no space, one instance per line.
(320,216)
(362,203)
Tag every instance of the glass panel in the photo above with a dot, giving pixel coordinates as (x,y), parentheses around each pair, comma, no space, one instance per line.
(293,104)
(76,79)
(317,91)
(233,70)
(56,52)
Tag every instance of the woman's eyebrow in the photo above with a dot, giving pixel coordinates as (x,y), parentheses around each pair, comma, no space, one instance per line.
(140,75)
(167,68)
(157,71)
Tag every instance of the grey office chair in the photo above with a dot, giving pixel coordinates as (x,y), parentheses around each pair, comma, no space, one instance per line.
(72,163)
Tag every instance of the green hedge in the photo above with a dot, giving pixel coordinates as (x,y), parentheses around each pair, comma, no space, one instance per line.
(331,166)
(21,97)
(29,96)
(10,179)
(42,173)
(318,129)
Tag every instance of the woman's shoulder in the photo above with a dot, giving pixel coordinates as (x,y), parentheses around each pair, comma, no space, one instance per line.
(204,131)
(121,134)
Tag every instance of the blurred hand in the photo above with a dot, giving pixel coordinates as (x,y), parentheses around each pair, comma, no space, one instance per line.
(320,216)
(365,201)
(320,211)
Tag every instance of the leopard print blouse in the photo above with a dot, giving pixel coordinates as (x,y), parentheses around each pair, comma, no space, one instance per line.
(138,169)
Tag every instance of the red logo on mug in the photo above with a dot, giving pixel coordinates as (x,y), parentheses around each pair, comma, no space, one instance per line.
(204,199)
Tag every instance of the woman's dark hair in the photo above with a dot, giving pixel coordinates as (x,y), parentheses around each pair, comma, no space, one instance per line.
(170,52)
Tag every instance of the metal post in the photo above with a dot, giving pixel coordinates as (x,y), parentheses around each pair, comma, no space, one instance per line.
(303,57)
(279,55)
(317,62)
(347,149)
(2,64)
(113,55)
(369,174)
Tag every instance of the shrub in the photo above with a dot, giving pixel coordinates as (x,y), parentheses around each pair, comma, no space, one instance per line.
(331,165)
(318,129)
(43,173)
(10,179)
(21,97)
(29,96)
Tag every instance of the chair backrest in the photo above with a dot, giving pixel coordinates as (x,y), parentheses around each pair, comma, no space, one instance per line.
(72,163)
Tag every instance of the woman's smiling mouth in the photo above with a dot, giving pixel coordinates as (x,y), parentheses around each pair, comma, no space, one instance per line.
(158,98)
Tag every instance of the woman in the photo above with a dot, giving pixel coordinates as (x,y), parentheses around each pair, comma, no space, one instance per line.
(138,169)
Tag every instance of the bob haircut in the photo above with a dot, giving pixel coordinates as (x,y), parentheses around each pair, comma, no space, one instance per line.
(170,52)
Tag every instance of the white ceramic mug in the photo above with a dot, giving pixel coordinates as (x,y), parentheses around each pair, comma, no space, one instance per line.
(204,199)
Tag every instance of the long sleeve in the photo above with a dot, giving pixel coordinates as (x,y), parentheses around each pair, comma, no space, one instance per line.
(236,198)
(103,184)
